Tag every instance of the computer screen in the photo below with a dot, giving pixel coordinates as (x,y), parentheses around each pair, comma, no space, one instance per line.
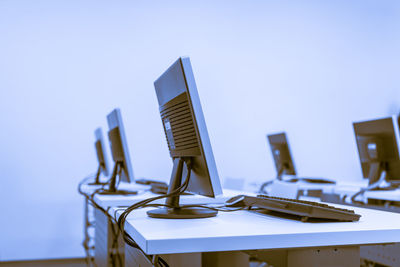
(378,148)
(101,156)
(187,138)
(120,153)
(281,154)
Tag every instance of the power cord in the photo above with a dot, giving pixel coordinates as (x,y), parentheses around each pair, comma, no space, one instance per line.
(90,198)
(84,181)
(382,178)
(147,203)
(86,241)
(140,204)
(263,186)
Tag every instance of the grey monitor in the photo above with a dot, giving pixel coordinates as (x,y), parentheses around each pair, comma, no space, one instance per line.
(284,163)
(281,154)
(101,156)
(378,148)
(187,138)
(120,153)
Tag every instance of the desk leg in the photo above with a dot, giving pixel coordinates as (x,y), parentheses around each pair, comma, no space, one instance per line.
(109,251)
(87,241)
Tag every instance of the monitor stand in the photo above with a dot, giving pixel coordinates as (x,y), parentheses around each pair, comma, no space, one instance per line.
(112,188)
(375,170)
(175,211)
(378,177)
(97,179)
(279,177)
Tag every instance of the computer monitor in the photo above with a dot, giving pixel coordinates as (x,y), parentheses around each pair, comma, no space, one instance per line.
(281,154)
(284,162)
(378,148)
(120,154)
(187,138)
(101,157)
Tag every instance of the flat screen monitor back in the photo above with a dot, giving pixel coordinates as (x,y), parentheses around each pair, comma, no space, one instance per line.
(103,166)
(281,154)
(187,138)
(101,152)
(185,129)
(383,134)
(119,145)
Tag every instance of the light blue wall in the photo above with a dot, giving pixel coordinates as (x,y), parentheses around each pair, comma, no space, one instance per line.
(307,67)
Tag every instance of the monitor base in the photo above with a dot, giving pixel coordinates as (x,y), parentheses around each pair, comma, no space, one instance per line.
(118,192)
(311,180)
(96,183)
(182,213)
(387,188)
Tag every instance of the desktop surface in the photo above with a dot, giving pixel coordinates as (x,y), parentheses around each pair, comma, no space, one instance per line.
(90,188)
(127,200)
(244,230)
(390,195)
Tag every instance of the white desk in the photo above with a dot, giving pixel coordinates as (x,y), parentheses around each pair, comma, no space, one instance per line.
(243,230)
(93,242)
(105,229)
(314,186)
(392,195)
(349,190)
(89,222)
(106,201)
(89,189)
(345,189)
(295,190)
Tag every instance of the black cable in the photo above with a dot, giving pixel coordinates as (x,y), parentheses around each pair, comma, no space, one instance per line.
(264,185)
(353,197)
(162,261)
(90,198)
(128,240)
(82,183)
(114,245)
(374,185)
(124,215)
(115,232)
(146,203)
(89,258)
(218,208)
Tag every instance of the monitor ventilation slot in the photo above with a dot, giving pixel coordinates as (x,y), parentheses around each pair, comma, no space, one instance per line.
(179,127)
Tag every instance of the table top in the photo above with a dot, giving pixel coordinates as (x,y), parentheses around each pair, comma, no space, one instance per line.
(393,195)
(89,189)
(106,201)
(345,189)
(246,230)
(301,185)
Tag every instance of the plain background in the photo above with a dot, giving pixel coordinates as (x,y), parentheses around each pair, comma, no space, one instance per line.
(309,68)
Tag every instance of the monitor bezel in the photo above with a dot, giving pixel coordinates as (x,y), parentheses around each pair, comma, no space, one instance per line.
(114,120)
(98,133)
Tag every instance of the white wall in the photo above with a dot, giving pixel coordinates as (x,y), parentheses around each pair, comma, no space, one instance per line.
(307,67)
